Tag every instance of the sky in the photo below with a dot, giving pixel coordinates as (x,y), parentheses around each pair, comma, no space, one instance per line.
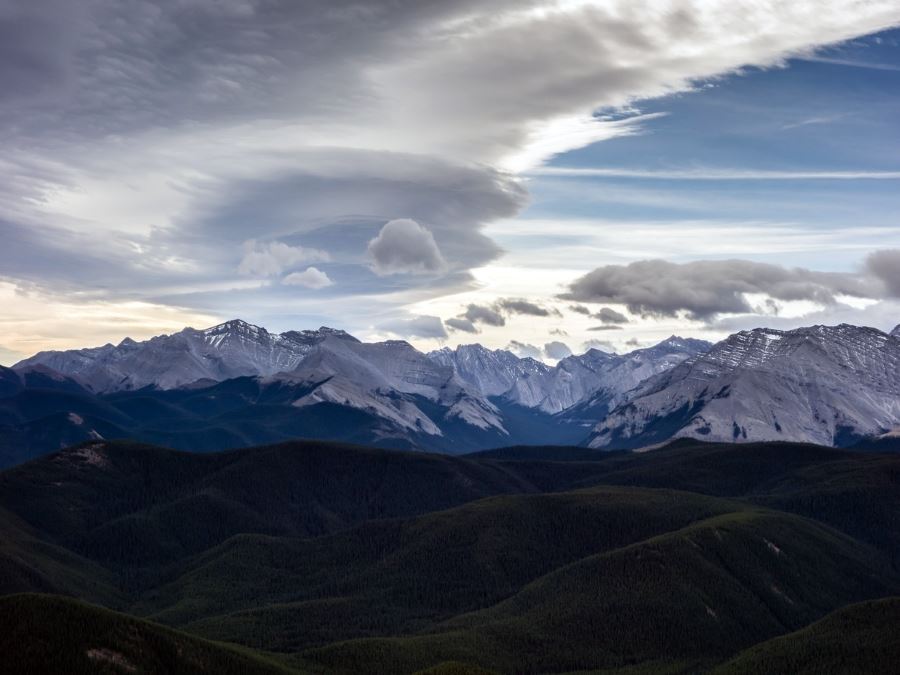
(541,175)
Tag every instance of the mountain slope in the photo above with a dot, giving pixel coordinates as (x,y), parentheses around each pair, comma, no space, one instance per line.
(861,638)
(123,503)
(683,599)
(232,349)
(402,575)
(493,372)
(47,634)
(355,559)
(825,385)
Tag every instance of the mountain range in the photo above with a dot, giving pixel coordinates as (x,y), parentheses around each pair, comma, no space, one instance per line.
(312,557)
(237,384)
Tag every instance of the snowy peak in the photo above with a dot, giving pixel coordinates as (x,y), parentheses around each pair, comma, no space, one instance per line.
(492,372)
(597,377)
(313,337)
(819,384)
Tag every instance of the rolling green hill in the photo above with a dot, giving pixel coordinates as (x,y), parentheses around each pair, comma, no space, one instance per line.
(47,634)
(861,638)
(684,599)
(349,559)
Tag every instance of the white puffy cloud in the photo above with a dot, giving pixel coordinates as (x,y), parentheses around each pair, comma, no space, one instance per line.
(609,315)
(417,326)
(272,258)
(311,277)
(405,247)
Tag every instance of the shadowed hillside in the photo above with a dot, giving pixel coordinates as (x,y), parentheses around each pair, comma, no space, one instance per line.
(348,559)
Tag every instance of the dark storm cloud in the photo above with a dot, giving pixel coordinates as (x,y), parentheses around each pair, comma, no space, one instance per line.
(485,315)
(36,43)
(705,288)
(580,309)
(609,315)
(519,306)
(461,324)
(885,266)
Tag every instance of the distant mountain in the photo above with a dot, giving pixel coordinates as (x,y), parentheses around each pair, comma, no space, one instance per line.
(232,349)
(575,379)
(236,384)
(621,374)
(391,380)
(822,384)
(493,372)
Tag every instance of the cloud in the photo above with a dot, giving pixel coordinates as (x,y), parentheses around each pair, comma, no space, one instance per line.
(117,184)
(405,247)
(712,174)
(580,309)
(609,315)
(885,266)
(495,314)
(602,345)
(8,357)
(605,327)
(461,324)
(417,326)
(707,288)
(519,306)
(272,258)
(486,315)
(557,350)
(524,350)
(311,277)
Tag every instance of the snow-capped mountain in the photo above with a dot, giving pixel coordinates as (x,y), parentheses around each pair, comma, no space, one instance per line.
(597,375)
(402,394)
(575,379)
(824,384)
(391,380)
(627,371)
(492,372)
(232,349)
(237,384)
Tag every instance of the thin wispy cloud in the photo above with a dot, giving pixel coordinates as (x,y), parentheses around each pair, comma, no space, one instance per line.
(710,174)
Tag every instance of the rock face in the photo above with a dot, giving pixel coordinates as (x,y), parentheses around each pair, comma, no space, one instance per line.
(575,379)
(232,349)
(823,384)
(493,372)
(826,385)
(392,380)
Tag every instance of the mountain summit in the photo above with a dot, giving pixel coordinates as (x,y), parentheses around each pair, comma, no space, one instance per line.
(822,384)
